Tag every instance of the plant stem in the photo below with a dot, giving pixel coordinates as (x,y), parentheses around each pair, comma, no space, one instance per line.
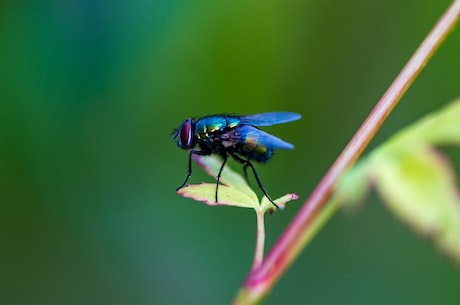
(261,280)
(260,242)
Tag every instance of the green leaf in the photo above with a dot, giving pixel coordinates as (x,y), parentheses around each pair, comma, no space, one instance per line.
(442,127)
(419,186)
(266,205)
(233,190)
(211,164)
(414,179)
(206,192)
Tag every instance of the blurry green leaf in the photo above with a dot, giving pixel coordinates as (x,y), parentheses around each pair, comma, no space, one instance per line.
(414,179)
(419,187)
(442,127)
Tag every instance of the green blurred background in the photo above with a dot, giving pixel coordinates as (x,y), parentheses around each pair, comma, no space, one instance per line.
(90,92)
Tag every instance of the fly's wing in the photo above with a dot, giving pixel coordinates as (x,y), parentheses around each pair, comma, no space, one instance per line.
(251,136)
(269,118)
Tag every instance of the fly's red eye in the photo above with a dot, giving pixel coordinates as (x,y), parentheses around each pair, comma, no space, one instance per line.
(186,134)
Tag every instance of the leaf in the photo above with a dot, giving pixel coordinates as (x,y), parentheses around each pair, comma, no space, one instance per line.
(442,127)
(419,186)
(234,190)
(206,192)
(266,205)
(438,128)
(212,164)
(414,179)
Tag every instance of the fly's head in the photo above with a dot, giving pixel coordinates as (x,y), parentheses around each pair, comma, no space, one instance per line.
(185,134)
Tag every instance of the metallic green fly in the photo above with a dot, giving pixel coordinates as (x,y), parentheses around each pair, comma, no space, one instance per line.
(233,136)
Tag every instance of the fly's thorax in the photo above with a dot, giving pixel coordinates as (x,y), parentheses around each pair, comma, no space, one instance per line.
(208,130)
(215,124)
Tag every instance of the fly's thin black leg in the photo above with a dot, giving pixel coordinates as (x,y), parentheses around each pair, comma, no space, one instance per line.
(246,164)
(189,173)
(245,169)
(220,172)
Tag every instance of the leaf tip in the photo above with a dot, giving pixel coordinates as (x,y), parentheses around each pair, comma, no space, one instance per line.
(280,202)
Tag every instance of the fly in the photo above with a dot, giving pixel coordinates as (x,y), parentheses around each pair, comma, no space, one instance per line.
(233,136)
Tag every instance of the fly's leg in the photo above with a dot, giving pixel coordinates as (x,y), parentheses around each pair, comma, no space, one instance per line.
(247,163)
(189,172)
(220,172)
(245,169)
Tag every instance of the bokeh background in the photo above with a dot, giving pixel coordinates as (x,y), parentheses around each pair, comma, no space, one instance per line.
(90,92)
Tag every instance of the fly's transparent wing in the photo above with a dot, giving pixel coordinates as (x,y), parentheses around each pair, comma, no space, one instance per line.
(270,118)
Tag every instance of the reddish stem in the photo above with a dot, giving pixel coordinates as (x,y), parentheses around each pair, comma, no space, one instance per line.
(260,280)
